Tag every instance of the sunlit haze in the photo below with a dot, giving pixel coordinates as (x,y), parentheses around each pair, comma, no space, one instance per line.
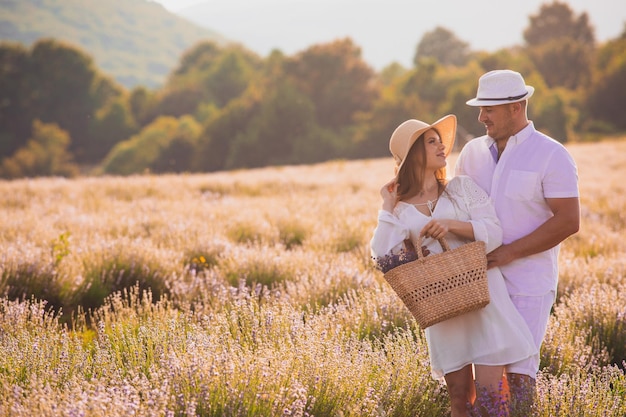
(386,31)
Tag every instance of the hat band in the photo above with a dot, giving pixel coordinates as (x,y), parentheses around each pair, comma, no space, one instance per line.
(504,98)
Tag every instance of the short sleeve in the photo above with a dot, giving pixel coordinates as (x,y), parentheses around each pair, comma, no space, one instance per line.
(561,178)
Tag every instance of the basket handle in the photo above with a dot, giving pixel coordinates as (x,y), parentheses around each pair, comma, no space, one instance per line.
(418,246)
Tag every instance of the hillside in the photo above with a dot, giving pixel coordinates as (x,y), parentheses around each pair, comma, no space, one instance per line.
(137,42)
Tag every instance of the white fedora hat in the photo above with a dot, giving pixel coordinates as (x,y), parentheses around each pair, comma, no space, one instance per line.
(501,87)
(409,131)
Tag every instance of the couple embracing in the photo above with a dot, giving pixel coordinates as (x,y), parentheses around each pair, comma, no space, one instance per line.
(516,189)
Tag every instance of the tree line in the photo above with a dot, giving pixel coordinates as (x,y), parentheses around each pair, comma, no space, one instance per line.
(224,107)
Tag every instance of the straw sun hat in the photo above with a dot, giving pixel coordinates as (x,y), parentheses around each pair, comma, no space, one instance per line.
(407,133)
(501,87)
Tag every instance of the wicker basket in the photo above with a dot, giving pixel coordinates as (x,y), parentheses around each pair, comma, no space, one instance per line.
(444,285)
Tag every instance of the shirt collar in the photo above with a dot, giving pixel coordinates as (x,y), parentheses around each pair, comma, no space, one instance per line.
(518,138)
(525,133)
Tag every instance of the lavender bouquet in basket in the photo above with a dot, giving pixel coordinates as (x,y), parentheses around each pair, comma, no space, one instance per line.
(392,260)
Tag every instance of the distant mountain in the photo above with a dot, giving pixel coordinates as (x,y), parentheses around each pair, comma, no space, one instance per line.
(137,42)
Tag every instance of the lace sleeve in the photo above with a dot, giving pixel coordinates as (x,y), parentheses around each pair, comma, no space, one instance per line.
(479,209)
(474,196)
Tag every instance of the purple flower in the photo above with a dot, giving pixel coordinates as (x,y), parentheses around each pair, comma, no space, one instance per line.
(391,260)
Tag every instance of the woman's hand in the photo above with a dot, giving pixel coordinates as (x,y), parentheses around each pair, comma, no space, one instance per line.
(389,193)
(436,228)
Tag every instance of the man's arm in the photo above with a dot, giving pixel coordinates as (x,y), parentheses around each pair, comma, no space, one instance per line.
(564,223)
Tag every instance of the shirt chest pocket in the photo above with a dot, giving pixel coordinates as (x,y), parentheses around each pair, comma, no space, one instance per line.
(523,185)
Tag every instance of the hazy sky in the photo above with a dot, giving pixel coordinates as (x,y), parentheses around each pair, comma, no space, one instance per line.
(388,30)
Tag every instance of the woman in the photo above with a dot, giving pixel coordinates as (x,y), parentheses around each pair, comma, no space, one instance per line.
(469,351)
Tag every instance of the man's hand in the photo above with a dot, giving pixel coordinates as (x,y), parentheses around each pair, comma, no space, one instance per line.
(500,256)
(565,222)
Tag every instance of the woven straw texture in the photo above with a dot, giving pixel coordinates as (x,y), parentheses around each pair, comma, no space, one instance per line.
(443,285)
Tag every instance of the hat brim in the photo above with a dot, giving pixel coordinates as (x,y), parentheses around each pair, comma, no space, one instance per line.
(446,126)
(478,102)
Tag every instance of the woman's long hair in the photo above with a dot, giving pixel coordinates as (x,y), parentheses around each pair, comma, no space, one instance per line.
(413,172)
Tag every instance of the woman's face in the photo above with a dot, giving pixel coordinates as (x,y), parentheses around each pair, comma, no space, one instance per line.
(435,151)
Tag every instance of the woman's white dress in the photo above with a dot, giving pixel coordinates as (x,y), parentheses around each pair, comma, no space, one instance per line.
(494,335)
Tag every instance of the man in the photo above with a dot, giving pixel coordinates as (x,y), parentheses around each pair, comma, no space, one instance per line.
(533,182)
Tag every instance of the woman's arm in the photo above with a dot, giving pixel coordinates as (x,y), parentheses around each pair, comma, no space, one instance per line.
(390,233)
(483,224)
(482,213)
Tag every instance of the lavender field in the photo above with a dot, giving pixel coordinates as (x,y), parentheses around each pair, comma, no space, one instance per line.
(252,293)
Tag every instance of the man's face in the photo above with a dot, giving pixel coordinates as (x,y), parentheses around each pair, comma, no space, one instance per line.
(498,121)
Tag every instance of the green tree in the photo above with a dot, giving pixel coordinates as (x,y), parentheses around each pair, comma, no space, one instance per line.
(57,84)
(176,102)
(371,136)
(550,113)
(141,103)
(111,124)
(563,63)
(177,155)
(504,58)
(399,100)
(280,125)
(460,84)
(427,92)
(606,97)
(390,73)
(207,74)
(197,59)
(230,77)
(444,46)
(272,123)
(422,82)
(62,80)
(221,130)
(148,149)
(556,20)
(336,79)
(561,45)
(45,153)
(15,104)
